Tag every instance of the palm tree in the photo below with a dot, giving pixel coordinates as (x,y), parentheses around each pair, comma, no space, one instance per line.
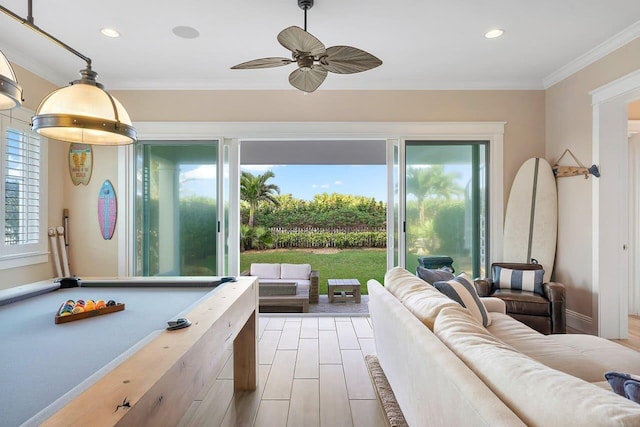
(254,189)
(431,182)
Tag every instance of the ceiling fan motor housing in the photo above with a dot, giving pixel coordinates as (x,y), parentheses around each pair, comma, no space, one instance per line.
(305,4)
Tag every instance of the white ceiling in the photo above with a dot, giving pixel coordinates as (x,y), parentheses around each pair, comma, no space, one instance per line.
(424,44)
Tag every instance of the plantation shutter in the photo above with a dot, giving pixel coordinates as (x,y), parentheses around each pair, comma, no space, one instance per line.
(22,188)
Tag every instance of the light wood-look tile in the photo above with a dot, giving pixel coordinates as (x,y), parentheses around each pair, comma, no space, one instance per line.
(281,375)
(309,327)
(326,324)
(244,406)
(272,413)
(307,362)
(356,375)
(335,410)
(304,409)
(362,327)
(367,345)
(313,384)
(275,323)
(347,336)
(367,413)
(267,347)
(329,347)
(262,325)
(290,336)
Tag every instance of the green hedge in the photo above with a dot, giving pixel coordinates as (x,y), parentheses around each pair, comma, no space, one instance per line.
(327,239)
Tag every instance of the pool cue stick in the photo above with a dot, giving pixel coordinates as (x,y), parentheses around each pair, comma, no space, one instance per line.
(63,249)
(54,249)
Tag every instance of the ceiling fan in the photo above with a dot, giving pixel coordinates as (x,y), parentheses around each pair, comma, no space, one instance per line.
(313,59)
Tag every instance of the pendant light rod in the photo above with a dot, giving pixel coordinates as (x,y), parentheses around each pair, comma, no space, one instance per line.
(28,22)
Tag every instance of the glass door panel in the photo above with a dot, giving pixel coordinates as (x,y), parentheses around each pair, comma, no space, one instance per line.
(176,208)
(446,203)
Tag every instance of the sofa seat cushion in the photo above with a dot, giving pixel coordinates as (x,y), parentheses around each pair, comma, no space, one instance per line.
(295,271)
(420,298)
(265,270)
(610,355)
(523,302)
(547,350)
(538,394)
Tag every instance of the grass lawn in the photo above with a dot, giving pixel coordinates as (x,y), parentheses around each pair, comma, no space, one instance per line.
(361,264)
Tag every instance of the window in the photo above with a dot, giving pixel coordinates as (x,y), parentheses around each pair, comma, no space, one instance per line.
(24,208)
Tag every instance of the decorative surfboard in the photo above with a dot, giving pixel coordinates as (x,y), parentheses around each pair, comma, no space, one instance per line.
(107,210)
(531,220)
(80,163)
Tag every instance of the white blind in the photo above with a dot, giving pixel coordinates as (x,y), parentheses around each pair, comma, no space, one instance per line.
(22,188)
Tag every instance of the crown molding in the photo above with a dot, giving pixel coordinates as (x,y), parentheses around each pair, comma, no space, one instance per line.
(603,49)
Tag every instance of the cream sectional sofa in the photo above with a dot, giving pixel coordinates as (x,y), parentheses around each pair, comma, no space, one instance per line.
(446,369)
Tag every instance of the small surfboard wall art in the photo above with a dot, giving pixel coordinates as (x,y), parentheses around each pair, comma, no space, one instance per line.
(107,210)
(80,163)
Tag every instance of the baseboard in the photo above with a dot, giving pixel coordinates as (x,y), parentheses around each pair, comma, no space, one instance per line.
(580,322)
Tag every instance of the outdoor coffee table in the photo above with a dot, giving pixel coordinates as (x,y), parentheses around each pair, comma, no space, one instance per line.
(344,290)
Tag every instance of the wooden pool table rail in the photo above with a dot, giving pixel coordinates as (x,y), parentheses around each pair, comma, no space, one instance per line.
(161,380)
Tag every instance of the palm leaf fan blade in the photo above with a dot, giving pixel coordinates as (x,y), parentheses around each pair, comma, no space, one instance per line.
(348,60)
(307,80)
(262,63)
(298,40)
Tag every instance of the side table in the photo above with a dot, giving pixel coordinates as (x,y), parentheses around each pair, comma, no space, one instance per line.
(343,290)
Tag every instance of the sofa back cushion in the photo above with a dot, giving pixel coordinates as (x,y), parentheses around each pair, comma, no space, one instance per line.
(265,271)
(295,271)
(539,395)
(420,298)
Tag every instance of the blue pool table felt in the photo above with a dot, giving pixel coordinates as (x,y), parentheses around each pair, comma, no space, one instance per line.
(43,361)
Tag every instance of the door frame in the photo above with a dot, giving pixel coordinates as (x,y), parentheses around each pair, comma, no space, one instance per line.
(488,131)
(610,206)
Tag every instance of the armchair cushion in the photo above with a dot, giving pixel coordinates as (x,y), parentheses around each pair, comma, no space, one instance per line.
(521,280)
(524,302)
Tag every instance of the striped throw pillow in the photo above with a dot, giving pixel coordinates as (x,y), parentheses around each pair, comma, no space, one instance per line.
(518,280)
(462,290)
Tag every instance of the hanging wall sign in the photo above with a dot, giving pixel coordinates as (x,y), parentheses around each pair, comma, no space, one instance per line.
(80,163)
(107,210)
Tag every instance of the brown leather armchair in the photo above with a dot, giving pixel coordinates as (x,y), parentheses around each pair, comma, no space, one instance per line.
(544,313)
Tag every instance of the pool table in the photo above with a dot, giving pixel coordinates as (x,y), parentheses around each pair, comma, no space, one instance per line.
(122,368)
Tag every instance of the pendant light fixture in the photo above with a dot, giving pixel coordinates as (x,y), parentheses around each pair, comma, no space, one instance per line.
(10,90)
(82,112)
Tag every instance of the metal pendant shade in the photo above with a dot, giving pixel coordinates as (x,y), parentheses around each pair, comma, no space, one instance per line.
(313,58)
(10,90)
(84,112)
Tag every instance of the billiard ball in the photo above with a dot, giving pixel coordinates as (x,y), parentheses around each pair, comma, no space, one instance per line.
(100,304)
(77,310)
(111,303)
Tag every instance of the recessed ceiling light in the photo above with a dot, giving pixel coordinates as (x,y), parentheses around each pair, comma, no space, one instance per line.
(492,34)
(186,32)
(110,32)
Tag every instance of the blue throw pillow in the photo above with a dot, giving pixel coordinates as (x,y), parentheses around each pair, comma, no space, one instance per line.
(519,280)
(625,385)
(462,290)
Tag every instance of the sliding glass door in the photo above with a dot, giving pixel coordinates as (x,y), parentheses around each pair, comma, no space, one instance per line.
(446,208)
(176,208)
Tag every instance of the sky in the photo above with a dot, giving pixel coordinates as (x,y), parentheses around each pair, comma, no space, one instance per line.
(304,181)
